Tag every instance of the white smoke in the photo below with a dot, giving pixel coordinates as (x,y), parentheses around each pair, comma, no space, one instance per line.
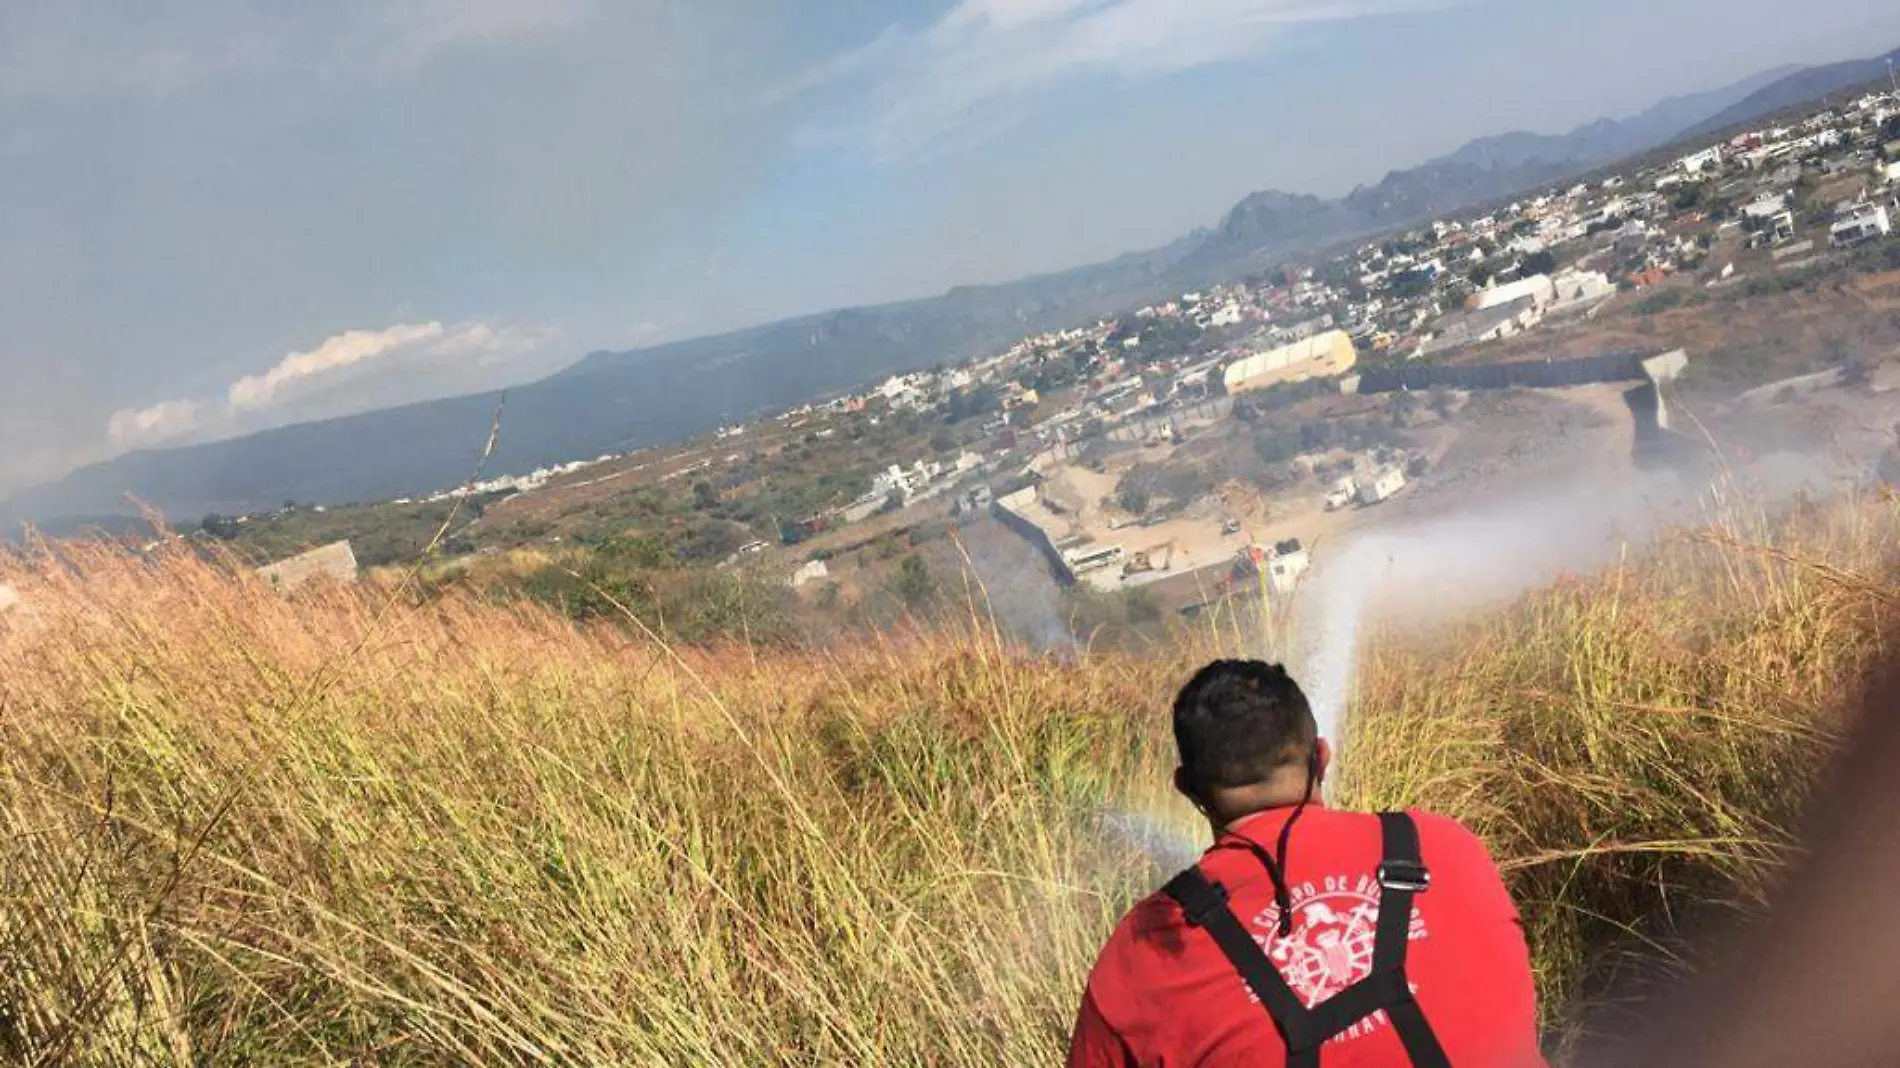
(135,427)
(335,353)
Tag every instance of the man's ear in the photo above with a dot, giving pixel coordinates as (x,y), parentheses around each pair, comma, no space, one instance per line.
(1322,759)
(1184,785)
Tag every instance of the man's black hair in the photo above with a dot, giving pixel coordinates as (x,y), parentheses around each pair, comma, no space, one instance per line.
(1238,721)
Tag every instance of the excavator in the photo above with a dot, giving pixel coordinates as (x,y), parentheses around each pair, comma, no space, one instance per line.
(1144,561)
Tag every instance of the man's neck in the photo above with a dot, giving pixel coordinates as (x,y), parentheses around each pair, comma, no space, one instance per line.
(1282,807)
(1235,812)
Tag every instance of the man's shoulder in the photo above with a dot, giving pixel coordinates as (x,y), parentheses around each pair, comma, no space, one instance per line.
(1149,917)
(1151,927)
(1430,822)
(1445,832)
(1444,841)
(1456,855)
(1433,828)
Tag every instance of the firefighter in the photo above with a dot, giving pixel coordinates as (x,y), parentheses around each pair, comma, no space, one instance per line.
(1306,936)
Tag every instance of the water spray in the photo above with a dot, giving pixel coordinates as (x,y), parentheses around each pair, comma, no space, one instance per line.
(1170,846)
(1330,653)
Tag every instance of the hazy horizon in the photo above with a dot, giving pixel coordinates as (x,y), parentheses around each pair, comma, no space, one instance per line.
(242,217)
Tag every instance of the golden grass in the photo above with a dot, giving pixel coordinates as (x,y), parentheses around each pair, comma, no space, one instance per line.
(345,826)
(1636,746)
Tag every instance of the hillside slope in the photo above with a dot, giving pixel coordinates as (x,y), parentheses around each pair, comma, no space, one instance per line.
(315,830)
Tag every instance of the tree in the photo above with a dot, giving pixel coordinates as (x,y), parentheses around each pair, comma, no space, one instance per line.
(1408,285)
(914,584)
(219,527)
(966,404)
(1276,446)
(1134,499)
(1540,262)
(638,551)
(704,497)
(942,440)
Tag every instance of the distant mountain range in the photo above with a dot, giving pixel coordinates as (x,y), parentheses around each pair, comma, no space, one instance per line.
(1798,87)
(1608,139)
(612,401)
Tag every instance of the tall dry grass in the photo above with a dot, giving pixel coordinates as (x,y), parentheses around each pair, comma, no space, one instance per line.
(345,826)
(1636,745)
(244,829)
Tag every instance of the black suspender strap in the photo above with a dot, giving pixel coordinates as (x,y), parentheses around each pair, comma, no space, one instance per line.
(1402,874)
(1205,905)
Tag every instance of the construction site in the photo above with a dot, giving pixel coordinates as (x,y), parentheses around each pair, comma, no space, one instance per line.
(1242,539)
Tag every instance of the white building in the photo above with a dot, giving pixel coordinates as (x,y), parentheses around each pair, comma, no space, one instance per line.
(1866,223)
(1538,287)
(1697,162)
(1321,356)
(901,391)
(893,479)
(811,572)
(1576,289)
(1765,207)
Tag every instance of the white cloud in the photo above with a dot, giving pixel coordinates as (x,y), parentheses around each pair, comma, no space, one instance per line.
(975,68)
(137,427)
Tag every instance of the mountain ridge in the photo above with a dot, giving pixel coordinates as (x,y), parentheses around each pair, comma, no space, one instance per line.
(1799,87)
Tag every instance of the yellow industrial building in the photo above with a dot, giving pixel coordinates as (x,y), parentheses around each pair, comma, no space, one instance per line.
(1320,356)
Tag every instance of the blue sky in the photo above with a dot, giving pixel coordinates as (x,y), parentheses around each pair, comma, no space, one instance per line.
(232,214)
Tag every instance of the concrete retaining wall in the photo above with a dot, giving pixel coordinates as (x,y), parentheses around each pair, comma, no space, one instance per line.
(1008,511)
(333,561)
(1530,374)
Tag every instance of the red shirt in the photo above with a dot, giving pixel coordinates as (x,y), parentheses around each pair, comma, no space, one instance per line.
(1163,995)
